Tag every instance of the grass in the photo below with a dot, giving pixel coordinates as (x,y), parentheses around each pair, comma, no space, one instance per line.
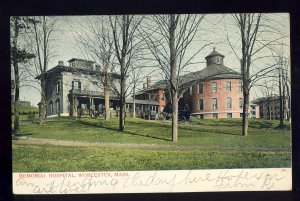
(210,145)
(140,131)
(53,158)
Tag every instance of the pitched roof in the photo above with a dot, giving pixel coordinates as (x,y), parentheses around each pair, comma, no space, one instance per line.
(159,84)
(264,99)
(211,72)
(83,70)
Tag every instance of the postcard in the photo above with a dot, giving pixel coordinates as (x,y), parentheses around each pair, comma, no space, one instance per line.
(151,103)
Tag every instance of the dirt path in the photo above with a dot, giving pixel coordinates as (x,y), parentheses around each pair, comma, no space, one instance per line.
(54,142)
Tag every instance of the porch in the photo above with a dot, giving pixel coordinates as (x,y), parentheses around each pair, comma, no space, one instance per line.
(90,103)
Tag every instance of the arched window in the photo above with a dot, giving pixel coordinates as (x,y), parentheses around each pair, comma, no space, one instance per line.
(57,87)
(57,105)
(51,107)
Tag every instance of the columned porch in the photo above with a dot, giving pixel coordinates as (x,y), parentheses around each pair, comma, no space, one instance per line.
(89,103)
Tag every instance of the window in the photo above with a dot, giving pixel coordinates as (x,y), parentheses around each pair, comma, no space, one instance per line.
(95,83)
(228,86)
(215,103)
(240,86)
(215,115)
(57,105)
(162,96)
(51,107)
(76,84)
(57,87)
(229,115)
(201,104)
(241,103)
(229,103)
(191,90)
(201,116)
(200,88)
(214,87)
(241,115)
(153,97)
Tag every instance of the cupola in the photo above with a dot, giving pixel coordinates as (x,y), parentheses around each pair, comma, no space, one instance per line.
(214,58)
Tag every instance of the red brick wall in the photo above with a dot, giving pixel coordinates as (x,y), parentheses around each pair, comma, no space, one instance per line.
(221,94)
(161,102)
(158,92)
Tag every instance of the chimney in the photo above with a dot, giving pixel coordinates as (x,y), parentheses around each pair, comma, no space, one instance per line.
(148,82)
(60,63)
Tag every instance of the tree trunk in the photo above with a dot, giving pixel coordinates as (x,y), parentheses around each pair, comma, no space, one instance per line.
(17,79)
(43,99)
(175,119)
(106,91)
(245,113)
(17,99)
(246,92)
(280,101)
(173,67)
(107,106)
(133,103)
(122,95)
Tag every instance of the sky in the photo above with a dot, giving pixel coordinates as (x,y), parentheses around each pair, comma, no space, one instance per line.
(213,31)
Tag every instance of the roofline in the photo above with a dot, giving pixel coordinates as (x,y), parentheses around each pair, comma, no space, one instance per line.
(219,54)
(65,68)
(81,60)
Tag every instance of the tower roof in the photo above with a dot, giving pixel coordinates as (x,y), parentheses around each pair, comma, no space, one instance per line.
(214,53)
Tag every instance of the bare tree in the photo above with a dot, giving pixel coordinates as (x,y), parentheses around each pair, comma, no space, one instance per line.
(287,83)
(96,38)
(281,76)
(267,89)
(138,73)
(252,29)
(18,56)
(40,37)
(126,46)
(168,40)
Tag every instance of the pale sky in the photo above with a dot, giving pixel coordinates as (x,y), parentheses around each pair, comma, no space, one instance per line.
(214,29)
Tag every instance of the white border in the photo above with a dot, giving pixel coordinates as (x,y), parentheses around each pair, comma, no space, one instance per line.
(267,179)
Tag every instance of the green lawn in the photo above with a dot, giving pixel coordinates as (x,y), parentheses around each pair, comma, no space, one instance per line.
(208,144)
(56,158)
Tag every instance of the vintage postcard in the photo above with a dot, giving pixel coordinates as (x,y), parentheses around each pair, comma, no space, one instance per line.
(151,103)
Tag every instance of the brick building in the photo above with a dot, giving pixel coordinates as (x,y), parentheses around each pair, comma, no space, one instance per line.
(152,97)
(269,107)
(213,92)
(216,91)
